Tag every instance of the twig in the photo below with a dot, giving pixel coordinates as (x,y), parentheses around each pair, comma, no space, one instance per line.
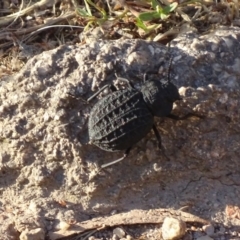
(7,19)
(137,216)
(32,30)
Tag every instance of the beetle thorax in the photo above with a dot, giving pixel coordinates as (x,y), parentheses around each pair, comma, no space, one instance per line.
(160,96)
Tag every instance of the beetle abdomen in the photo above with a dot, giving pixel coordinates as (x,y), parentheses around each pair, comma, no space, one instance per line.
(119,120)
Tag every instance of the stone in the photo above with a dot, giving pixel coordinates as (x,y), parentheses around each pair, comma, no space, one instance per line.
(208,229)
(44,153)
(119,232)
(173,228)
(206,237)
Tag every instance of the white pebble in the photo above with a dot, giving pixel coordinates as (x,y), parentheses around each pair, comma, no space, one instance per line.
(173,228)
(119,232)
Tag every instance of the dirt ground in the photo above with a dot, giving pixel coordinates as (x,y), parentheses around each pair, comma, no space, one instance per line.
(49,174)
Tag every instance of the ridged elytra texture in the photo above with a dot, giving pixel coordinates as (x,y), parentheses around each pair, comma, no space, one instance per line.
(119,120)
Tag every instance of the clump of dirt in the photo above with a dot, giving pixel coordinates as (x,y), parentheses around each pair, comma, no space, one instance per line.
(50,174)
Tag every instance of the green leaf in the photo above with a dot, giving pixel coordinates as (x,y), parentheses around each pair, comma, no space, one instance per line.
(83,12)
(165,12)
(164,16)
(101,10)
(88,8)
(154,4)
(148,16)
(152,27)
(140,24)
(148,28)
(170,8)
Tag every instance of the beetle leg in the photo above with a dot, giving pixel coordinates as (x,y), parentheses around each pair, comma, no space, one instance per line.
(129,83)
(157,136)
(118,160)
(95,94)
(112,87)
(159,141)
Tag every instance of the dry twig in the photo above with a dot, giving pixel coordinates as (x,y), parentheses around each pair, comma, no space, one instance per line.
(136,216)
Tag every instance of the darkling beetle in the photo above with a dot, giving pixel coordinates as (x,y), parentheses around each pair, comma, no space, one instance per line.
(123,117)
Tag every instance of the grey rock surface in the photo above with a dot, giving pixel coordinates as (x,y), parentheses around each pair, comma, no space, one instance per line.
(49,172)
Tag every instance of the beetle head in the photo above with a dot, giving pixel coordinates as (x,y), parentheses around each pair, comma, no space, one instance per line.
(160,96)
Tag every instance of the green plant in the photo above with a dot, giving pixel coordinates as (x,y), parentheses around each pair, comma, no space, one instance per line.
(158,13)
(86,13)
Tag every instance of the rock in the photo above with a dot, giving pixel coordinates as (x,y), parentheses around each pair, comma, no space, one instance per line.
(33,234)
(173,228)
(197,234)
(188,236)
(119,232)
(204,238)
(44,153)
(208,229)
(63,225)
(222,230)
(91,238)
(115,237)
(128,237)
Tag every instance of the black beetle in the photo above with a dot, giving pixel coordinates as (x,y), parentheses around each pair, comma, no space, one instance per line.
(124,117)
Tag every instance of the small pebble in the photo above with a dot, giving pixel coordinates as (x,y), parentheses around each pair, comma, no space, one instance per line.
(128,237)
(91,238)
(113,212)
(119,232)
(115,237)
(64,225)
(198,234)
(233,233)
(221,230)
(208,229)
(206,237)
(173,228)
(188,236)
